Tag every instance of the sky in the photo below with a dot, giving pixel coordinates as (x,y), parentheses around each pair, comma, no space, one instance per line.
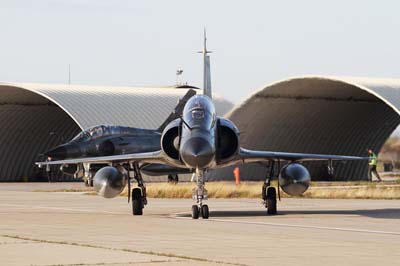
(142,43)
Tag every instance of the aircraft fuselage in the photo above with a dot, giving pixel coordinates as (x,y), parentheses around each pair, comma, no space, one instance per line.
(107,141)
(198,138)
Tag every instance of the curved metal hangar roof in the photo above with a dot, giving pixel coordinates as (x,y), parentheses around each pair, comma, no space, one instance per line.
(36,117)
(320,114)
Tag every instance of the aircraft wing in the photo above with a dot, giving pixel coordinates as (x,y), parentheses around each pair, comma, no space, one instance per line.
(146,157)
(259,156)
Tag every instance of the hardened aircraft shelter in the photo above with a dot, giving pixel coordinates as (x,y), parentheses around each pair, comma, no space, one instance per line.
(36,117)
(319,114)
(313,114)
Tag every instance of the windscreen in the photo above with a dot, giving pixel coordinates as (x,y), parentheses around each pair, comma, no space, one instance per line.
(96,132)
(199,112)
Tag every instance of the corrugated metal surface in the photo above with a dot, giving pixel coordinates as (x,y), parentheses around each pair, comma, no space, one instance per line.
(25,133)
(326,115)
(29,112)
(93,105)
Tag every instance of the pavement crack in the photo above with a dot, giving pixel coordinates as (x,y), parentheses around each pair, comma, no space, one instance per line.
(160,254)
(11,243)
(109,263)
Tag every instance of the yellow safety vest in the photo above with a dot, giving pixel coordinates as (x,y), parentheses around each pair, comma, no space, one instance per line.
(373,160)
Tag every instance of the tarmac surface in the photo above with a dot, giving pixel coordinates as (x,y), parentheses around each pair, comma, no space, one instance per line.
(70,228)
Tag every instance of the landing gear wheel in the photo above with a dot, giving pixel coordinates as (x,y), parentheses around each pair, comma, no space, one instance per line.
(173,179)
(137,203)
(88,182)
(271,200)
(204,212)
(195,212)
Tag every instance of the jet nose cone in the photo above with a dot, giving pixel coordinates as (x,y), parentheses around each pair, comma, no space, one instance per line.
(197,152)
(59,152)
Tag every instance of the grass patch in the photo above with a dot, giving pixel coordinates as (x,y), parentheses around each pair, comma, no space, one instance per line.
(322,190)
(341,183)
(365,192)
(217,190)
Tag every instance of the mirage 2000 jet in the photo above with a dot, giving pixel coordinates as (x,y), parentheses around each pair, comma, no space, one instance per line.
(106,140)
(200,141)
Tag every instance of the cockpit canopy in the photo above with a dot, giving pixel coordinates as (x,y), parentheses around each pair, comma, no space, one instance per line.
(106,130)
(199,111)
(95,132)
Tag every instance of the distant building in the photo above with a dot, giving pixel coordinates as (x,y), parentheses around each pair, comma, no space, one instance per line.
(389,156)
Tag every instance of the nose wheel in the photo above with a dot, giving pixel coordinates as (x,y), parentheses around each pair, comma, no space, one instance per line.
(195,212)
(205,212)
(200,211)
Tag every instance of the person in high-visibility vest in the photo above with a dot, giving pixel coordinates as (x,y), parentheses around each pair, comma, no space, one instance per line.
(373,162)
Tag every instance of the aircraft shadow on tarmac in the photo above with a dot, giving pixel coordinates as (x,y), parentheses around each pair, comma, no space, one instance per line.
(372,213)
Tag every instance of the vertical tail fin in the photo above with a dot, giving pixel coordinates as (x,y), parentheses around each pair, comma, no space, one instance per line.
(206,69)
(207,77)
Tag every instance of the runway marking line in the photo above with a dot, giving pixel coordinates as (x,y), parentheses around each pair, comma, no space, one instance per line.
(152,253)
(354,230)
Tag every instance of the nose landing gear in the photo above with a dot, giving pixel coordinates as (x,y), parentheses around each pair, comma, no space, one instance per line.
(199,193)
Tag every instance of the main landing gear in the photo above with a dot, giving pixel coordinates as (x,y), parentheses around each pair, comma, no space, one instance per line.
(88,175)
(199,193)
(173,179)
(139,198)
(268,192)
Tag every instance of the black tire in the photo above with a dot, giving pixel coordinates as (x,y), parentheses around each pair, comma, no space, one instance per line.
(195,212)
(176,179)
(205,212)
(271,200)
(137,202)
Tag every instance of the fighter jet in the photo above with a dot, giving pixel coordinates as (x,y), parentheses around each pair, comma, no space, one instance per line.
(199,141)
(106,140)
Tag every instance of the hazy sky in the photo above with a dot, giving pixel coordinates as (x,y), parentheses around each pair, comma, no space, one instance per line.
(143,42)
